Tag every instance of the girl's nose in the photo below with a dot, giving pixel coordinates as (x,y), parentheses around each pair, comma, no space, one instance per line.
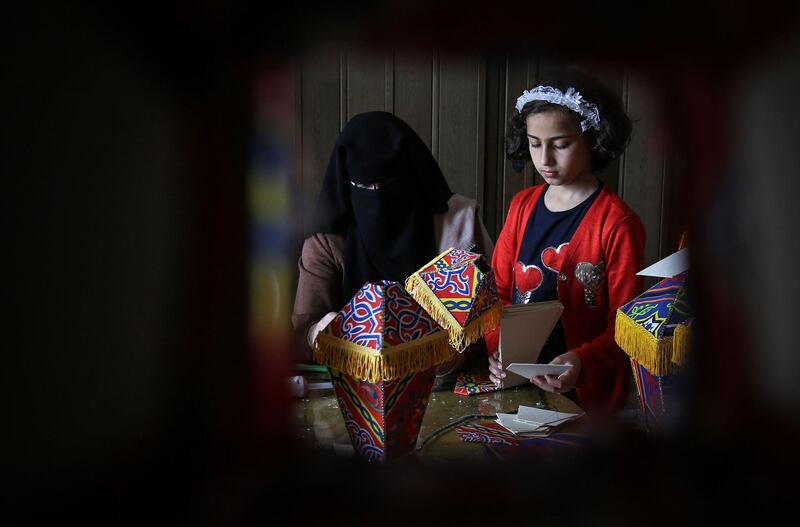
(546,156)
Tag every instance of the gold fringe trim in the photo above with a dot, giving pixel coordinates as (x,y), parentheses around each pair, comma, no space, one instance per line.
(460,337)
(418,289)
(392,363)
(483,324)
(652,353)
(681,343)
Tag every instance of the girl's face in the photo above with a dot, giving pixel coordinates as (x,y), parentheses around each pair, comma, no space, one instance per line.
(559,150)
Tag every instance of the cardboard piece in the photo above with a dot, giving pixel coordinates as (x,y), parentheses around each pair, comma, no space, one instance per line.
(524,328)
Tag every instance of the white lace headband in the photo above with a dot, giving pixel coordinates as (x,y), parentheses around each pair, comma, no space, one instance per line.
(571,99)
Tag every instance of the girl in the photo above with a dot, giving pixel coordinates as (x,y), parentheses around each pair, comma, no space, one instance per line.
(385,210)
(571,238)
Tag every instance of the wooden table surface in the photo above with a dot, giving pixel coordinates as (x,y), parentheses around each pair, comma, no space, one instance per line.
(319,423)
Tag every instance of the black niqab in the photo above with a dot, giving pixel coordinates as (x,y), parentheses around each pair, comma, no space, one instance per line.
(388,230)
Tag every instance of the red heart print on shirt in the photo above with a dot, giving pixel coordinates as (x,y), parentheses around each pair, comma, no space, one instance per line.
(527,277)
(552,258)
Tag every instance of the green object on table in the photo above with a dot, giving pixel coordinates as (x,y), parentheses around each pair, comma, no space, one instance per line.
(311,367)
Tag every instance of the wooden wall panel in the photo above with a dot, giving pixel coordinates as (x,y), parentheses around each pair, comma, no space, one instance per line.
(412,93)
(521,73)
(495,117)
(642,174)
(673,211)
(365,74)
(670,231)
(615,80)
(459,138)
(320,118)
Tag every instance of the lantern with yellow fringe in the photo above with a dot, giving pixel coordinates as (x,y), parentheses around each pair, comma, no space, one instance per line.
(382,350)
(654,330)
(458,290)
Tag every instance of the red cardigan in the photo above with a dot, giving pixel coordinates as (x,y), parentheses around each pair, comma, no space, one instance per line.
(610,233)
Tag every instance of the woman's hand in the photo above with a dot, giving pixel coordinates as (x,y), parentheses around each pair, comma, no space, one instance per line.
(564,382)
(317,328)
(496,373)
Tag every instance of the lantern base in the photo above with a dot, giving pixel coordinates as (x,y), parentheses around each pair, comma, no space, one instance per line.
(659,397)
(383,418)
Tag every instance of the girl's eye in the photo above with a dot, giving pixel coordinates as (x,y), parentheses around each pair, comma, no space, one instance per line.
(535,145)
(562,146)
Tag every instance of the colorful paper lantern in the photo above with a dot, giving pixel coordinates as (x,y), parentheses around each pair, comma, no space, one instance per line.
(457,288)
(680,342)
(382,349)
(653,329)
(658,397)
(646,326)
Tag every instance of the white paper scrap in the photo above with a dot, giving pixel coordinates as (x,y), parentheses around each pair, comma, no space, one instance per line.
(529,420)
(668,267)
(531,415)
(528,370)
(517,427)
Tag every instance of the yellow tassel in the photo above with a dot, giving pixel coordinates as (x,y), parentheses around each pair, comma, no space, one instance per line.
(481,325)
(652,353)
(460,337)
(681,343)
(391,363)
(418,289)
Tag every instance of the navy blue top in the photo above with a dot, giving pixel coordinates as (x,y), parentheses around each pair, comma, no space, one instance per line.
(543,247)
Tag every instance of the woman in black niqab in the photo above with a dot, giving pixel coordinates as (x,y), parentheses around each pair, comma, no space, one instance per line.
(381,190)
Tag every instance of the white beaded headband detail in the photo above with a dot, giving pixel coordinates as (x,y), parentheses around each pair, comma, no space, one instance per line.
(570,99)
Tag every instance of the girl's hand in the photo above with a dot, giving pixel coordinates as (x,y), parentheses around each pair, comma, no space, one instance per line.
(564,382)
(496,368)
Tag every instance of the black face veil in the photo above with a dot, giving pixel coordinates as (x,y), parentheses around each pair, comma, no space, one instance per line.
(381,190)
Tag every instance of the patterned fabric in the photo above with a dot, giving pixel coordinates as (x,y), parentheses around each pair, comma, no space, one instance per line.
(382,334)
(458,289)
(383,419)
(661,308)
(467,291)
(382,349)
(510,447)
(468,384)
(656,395)
(382,314)
(486,432)
(645,326)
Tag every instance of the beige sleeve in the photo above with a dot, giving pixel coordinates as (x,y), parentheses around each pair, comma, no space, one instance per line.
(461,227)
(319,283)
(483,241)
